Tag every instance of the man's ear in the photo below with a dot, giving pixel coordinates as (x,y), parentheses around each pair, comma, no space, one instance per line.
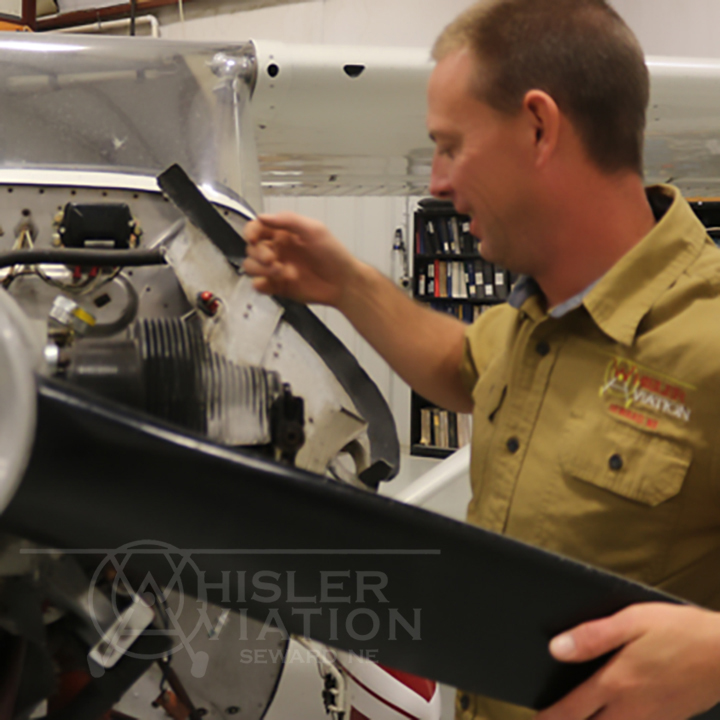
(543,115)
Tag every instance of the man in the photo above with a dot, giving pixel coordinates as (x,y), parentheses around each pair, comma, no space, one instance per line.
(593,390)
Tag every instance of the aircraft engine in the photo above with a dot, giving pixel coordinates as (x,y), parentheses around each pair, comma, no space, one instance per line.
(164,367)
(166,329)
(132,349)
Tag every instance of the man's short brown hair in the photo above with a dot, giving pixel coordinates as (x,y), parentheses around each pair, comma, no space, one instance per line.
(580,52)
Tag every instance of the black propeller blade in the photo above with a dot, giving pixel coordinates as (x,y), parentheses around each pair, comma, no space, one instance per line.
(352,569)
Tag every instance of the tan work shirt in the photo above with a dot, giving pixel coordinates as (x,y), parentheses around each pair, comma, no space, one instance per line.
(596,434)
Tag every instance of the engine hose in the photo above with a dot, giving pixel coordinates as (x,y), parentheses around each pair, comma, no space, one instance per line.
(85,258)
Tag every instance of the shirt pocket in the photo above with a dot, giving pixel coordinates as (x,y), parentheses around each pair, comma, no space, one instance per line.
(633,463)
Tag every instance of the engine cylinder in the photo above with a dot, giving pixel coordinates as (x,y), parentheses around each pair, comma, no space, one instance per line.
(167,369)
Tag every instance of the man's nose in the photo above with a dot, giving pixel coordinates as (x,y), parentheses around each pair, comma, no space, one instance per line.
(439,183)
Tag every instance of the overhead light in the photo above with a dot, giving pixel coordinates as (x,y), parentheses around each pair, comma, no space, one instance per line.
(685,64)
(39,47)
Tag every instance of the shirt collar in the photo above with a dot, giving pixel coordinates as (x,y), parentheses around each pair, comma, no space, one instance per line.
(625,294)
(619,300)
(574,302)
(526,288)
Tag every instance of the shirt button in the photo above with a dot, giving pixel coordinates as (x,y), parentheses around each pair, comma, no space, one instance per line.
(542,348)
(615,462)
(513,444)
(464,702)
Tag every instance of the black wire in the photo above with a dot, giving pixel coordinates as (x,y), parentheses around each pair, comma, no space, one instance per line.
(164,663)
(84,258)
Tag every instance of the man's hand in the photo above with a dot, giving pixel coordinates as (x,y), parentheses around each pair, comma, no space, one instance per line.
(299,258)
(668,667)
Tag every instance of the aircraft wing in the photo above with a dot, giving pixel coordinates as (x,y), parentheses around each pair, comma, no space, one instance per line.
(336,120)
(682,143)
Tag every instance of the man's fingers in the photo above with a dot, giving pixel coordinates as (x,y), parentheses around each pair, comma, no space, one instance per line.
(261,260)
(271,269)
(262,285)
(262,253)
(255,231)
(593,639)
(290,222)
(254,268)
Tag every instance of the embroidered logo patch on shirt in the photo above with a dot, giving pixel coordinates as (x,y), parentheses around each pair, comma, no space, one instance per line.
(637,388)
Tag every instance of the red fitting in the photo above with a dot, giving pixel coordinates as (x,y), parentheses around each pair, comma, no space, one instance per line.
(208,303)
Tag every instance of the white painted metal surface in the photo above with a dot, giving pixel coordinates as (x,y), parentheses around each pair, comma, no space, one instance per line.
(366,225)
(104,180)
(18,359)
(683,129)
(436,480)
(130,105)
(375,693)
(248,330)
(337,120)
(341,120)
(323,132)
